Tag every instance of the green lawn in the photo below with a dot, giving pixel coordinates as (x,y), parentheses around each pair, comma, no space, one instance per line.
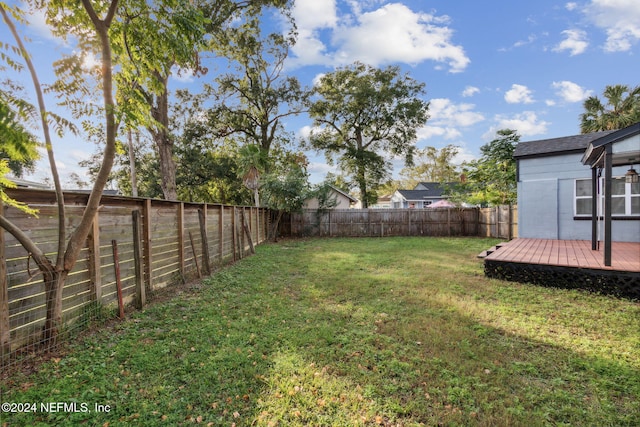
(347,332)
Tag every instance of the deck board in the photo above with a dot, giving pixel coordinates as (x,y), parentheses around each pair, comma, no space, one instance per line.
(569,253)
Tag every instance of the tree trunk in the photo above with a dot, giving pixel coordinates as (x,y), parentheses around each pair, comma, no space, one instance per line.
(274,227)
(160,134)
(132,165)
(362,184)
(53,284)
(5,326)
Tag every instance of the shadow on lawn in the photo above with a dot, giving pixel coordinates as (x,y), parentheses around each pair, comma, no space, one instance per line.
(285,340)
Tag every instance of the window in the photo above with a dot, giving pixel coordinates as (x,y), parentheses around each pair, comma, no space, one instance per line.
(625,197)
(583,197)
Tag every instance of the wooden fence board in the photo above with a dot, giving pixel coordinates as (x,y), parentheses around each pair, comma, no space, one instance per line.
(164,259)
(490,222)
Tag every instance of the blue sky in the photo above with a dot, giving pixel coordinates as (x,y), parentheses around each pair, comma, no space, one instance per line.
(525,65)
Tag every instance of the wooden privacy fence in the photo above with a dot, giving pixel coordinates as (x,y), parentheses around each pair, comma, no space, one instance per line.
(497,222)
(150,243)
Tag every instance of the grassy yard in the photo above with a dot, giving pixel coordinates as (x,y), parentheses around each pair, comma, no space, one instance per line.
(347,332)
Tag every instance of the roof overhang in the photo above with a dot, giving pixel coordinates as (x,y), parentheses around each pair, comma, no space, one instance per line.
(623,145)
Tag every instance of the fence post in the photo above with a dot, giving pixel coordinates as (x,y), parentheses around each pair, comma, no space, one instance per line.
(94,259)
(141,295)
(5,331)
(181,238)
(234,243)
(221,232)
(146,244)
(509,220)
(202,217)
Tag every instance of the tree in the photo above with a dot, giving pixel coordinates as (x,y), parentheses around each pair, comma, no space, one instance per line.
(432,165)
(491,180)
(256,100)
(253,163)
(361,113)
(622,109)
(286,187)
(179,31)
(84,18)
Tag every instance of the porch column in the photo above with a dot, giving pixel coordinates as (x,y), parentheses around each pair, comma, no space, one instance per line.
(594,208)
(608,158)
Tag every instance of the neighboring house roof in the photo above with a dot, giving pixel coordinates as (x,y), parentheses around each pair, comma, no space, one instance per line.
(23,183)
(417,195)
(431,189)
(553,146)
(351,198)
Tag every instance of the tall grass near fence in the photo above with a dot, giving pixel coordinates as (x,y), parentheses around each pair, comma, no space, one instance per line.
(136,247)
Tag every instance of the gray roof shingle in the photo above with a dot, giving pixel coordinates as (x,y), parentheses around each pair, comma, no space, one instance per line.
(565,144)
(433,190)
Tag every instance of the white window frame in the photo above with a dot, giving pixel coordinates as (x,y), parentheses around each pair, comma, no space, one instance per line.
(628,196)
(576,198)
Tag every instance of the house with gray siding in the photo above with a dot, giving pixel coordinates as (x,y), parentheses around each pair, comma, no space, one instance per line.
(423,195)
(555,191)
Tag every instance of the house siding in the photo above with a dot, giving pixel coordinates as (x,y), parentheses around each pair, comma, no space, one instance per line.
(546,188)
(342,201)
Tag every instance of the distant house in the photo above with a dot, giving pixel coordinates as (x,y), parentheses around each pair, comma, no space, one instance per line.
(559,177)
(383,202)
(343,200)
(23,183)
(423,195)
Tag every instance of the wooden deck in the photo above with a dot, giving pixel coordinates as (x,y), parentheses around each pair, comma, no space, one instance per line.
(568,253)
(569,264)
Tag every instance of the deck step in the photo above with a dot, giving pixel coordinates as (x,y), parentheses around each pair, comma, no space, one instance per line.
(491,250)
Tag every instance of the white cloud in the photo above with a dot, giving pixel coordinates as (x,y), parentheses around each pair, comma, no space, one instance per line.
(526,123)
(321,168)
(463,155)
(446,119)
(313,14)
(571,92)
(575,42)
(470,91)
(620,19)
(183,75)
(529,40)
(518,94)
(38,22)
(444,112)
(571,6)
(429,131)
(304,132)
(392,33)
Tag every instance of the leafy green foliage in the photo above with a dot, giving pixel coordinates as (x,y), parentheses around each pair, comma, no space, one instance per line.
(256,98)
(361,113)
(17,145)
(491,180)
(286,186)
(622,109)
(352,332)
(431,165)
